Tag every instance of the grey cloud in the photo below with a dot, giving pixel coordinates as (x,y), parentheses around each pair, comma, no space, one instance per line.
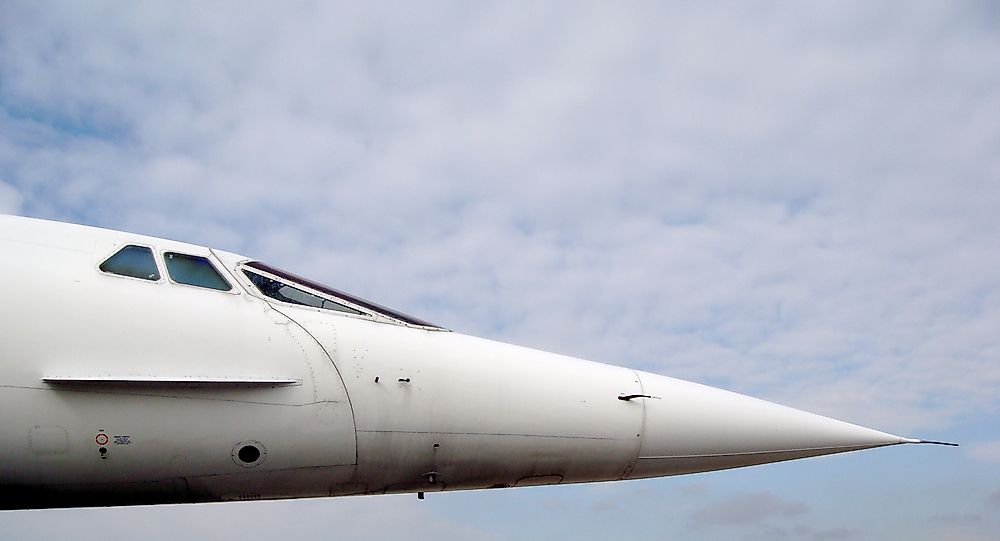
(831,534)
(769,533)
(10,199)
(956,518)
(747,508)
(987,451)
(775,533)
(346,518)
(604,506)
(694,490)
(835,534)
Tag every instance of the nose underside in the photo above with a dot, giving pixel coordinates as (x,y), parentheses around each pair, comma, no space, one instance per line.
(691,428)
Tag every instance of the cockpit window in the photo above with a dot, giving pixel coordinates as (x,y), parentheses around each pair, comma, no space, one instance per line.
(134,261)
(285,293)
(346,297)
(194,270)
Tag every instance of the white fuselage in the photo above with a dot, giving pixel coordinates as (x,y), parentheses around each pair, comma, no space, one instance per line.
(121,390)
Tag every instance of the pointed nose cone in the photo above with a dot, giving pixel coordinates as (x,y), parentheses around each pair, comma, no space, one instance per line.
(692,428)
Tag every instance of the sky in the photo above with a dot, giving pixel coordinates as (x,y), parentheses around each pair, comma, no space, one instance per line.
(800,202)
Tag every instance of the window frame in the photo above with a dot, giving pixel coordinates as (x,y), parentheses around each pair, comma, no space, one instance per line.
(367,313)
(118,247)
(364,314)
(245,270)
(216,266)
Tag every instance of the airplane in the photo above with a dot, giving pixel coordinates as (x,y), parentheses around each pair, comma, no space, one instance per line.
(139,370)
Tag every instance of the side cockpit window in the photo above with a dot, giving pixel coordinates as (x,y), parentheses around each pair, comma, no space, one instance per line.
(194,270)
(285,293)
(133,261)
(287,287)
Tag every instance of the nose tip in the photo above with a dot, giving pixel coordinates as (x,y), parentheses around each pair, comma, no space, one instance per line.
(690,428)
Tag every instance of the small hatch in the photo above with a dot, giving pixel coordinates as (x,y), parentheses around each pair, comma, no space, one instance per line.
(132,261)
(194,270)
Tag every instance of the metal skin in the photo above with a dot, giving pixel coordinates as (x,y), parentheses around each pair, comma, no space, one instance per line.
(120,391)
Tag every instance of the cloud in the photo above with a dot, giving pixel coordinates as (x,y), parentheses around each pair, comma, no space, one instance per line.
(348,518)
(770,532)
(746,508)
(604,506)
(956,518)
(694,490)
(985,451)
(10,199)
(830,534)
(798,204)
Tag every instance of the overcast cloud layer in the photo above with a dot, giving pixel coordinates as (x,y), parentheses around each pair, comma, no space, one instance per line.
(799,203)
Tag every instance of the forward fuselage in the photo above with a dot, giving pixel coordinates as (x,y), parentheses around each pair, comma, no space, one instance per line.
(118,389)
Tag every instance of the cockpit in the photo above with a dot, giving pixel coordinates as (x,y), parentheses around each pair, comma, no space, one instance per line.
(140,262)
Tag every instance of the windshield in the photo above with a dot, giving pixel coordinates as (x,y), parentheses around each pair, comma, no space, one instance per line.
(315,286)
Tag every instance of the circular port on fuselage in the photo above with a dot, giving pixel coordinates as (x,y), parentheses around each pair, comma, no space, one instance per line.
(249,453)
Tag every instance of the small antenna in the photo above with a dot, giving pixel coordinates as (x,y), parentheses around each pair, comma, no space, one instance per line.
(931,442)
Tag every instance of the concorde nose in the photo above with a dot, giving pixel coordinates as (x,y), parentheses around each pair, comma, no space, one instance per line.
(691,428)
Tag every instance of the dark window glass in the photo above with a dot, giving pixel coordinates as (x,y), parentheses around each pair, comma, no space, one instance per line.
(357,301)
(194,270)
(134,261)
(286,293)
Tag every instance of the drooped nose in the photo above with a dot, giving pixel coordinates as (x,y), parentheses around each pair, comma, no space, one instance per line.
(692,428)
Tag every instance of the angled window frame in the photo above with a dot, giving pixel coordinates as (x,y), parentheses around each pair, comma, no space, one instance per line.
(369,310)
(242,268)
(118,247)
(341,307)
(216,267)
